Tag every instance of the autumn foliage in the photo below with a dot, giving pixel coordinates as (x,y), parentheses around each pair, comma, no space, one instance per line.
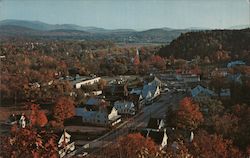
(136,60)
(211,146)
(158,62)
(132,146)
(64,108)
(28,143)
(37,116)
(188,114)
(180,151)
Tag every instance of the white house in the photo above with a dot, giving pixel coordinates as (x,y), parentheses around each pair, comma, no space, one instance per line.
(79,81)
(103,117)
(113,116)
(156,81)
(150,92)
(64,145)
(125,107)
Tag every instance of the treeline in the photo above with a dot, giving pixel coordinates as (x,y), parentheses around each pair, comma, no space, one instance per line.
(30,70)
(214,44)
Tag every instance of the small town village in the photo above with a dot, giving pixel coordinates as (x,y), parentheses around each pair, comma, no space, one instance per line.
(124,79)
(115,106)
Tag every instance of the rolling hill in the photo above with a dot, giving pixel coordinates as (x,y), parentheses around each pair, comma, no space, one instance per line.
(40,30)
(208,43)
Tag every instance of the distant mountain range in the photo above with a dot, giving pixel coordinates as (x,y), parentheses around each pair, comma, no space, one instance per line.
(10,29)
(37,25)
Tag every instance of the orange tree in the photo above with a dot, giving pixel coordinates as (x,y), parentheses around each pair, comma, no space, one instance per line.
(27,142)
(188,115)
(37,116)
(132,146)
(64,108)
(205,145)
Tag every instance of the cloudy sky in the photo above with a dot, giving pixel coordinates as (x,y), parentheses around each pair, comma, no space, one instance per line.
(134,14)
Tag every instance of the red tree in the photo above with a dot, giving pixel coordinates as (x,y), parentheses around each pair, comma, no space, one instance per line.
(211,146)
(136,60)
(226,125)
(37,116)
(133,146)
(28,143)
(158,62)
(64,108)
(188,114)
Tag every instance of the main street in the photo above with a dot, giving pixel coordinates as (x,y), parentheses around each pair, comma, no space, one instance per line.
(156,109)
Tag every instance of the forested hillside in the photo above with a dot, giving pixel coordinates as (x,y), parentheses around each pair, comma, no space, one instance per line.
(216,44)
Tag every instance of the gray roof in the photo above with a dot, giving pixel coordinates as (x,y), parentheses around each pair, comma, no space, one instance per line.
(148,88)
(199,89)
(93,101)
(234,63)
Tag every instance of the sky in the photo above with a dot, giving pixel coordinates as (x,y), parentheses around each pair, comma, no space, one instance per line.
(131,14)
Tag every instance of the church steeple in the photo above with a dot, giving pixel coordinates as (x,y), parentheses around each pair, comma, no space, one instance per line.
(137,58)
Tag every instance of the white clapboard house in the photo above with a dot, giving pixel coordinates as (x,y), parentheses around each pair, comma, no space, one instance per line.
(107,116)
(65,145)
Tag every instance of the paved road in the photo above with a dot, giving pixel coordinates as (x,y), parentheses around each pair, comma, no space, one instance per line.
(156,109)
